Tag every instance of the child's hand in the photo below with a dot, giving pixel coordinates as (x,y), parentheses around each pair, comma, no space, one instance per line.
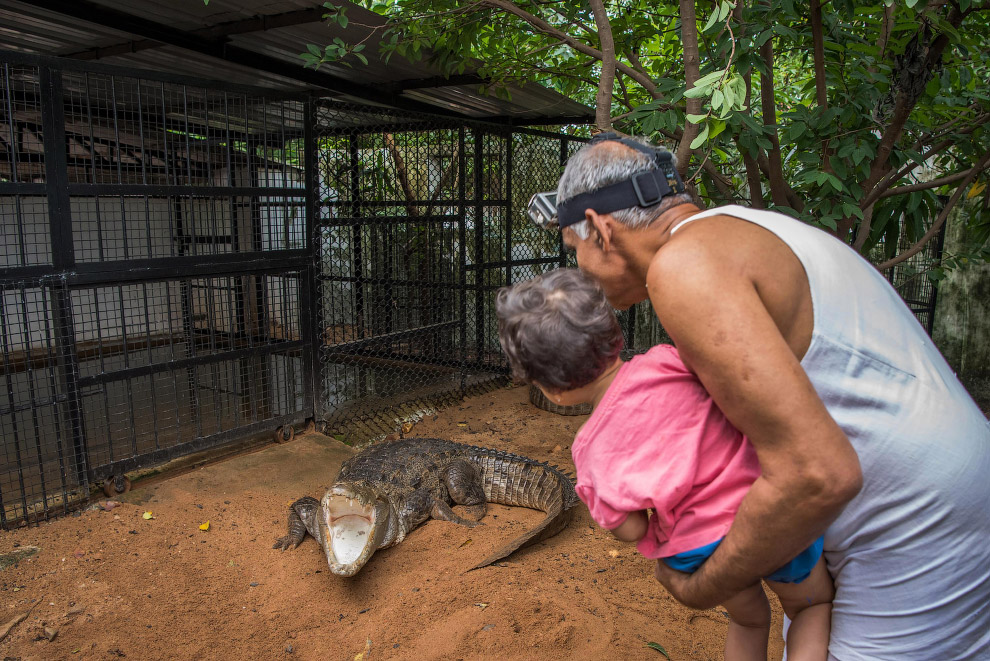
(633,528)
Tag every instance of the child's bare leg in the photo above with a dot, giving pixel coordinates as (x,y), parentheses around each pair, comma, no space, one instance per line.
(749,626)
(809,605)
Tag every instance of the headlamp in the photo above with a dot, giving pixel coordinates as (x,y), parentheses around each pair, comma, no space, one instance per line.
(644,189)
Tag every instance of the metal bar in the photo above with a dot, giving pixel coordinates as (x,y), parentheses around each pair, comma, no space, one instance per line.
(560,235)
(479,245)
(15,440)
(162,190)
(154,397)
(423,284)
(165,268)
(402,204)
(462,252)
(53,385)
(533,261)
(356,247)
(63,257)
(16,274)
(127,361)
(242,26)
(370,221)
(201,443)
(21,188)
(508,209)
(523,121)
(310,311)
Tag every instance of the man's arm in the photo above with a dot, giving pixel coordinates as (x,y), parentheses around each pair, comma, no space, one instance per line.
(633,528)
(725,334)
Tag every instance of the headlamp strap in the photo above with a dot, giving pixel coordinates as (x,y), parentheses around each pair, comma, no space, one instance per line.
(645,188)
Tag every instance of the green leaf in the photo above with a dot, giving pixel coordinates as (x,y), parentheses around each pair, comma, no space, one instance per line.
(697,92)
(658,647)
(717,127)
(696,119)
(712,20)
(700,140)
(361,57)
(709,78)
(314,49)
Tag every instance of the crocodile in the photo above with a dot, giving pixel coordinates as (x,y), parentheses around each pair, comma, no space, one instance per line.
(386,490)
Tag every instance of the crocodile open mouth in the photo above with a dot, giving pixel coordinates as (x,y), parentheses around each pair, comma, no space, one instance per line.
(350,524)
(351,518)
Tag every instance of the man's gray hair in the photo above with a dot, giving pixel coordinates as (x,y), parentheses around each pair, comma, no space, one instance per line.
(558,329)
(605,163)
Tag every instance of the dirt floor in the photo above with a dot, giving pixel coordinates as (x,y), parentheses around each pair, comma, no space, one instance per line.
(109,584)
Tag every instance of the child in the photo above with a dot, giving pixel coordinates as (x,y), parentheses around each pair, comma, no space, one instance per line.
(657,443)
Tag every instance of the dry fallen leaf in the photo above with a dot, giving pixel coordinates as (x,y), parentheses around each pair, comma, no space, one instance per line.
(147,515)
(204,526)
(465,543)
(614,553)
(482,605)
(462,424)
(367,649)
(5,629)
(407,427)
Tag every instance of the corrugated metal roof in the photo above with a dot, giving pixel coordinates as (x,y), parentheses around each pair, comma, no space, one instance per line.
(103,30)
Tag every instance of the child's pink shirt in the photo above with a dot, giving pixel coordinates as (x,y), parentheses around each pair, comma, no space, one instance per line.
(658,441)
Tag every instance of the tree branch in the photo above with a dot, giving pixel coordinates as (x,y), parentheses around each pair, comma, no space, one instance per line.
(885,30)
(603,99)
(542,26)
(904,102)
(927,185)
(933,230)
(778,186)
(692,72)
(818,41)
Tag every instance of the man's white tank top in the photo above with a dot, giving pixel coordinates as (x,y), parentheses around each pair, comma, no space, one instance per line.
(911,553)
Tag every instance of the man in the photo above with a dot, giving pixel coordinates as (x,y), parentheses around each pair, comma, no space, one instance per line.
(862,430)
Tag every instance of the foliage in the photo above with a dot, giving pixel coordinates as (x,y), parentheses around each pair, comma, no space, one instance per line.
(861,117)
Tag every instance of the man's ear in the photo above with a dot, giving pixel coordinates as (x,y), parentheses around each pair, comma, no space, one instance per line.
(602,224)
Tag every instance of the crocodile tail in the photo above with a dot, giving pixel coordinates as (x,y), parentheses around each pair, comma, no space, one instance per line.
(513,480)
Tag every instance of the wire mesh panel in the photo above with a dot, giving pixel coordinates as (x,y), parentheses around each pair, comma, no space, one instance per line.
(390,223)
(418,226)
(155,272)
(41,466)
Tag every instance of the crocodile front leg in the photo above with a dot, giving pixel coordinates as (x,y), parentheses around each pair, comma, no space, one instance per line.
(465,486)
(302,519)
(421,505)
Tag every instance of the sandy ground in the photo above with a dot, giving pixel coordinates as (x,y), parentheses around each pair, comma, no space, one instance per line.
(114,584)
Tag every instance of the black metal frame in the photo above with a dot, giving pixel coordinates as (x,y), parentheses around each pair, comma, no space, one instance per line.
(205,339)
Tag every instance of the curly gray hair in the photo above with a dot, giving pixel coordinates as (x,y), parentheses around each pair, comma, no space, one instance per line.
(605,163)
(557,329)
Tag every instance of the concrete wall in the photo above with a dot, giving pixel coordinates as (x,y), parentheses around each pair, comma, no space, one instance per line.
(962,318)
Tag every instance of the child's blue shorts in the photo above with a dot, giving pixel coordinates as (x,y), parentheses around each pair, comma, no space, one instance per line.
(794,571)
